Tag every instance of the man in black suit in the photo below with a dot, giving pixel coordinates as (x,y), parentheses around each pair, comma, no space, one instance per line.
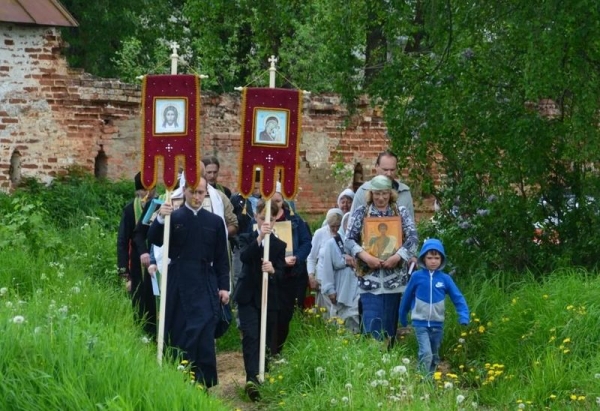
(248,293)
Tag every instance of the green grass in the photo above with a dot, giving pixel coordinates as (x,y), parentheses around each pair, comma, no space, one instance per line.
(68,340)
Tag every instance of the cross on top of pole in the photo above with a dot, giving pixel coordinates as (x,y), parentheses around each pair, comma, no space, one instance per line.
(272,71)
(174,57)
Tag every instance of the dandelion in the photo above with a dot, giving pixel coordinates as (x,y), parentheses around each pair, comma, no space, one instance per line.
(437,375)
(37,330)
(448,385)
(345,399)
(597,376)
(481,329)
(566,351)
(460,399)
(581,398)
(319,370)
(180,367)
(43,276)
(521,406)
(145,340)
(333,401)
(399,369)
(374,383)
(64,310)
(566,340)
(598,400)
(360,365)
(461,340)
(9,304)
(348,386)
(3,291)
(380,373)
(18,319)
(573,397)
(405,361)
(75,290)
(385,358)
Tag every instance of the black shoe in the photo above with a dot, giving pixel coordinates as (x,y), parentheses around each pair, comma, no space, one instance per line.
(252,391)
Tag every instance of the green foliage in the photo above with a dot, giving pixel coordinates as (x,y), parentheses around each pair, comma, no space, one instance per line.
(476,104)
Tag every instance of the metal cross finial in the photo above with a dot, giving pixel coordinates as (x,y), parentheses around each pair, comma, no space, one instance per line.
(174,57)
(272,71)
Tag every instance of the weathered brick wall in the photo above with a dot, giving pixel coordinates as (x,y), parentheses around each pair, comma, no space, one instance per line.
(55,117)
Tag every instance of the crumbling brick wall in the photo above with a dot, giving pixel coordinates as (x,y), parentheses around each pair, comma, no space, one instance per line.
(53,117)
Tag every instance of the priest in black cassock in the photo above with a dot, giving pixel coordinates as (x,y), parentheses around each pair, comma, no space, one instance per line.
(197,280)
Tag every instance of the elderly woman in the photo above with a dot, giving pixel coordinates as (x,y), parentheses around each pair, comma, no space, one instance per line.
(338,280)
(380,281)
(314,262)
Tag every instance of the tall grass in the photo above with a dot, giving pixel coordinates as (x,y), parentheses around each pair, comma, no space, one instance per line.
(68,340)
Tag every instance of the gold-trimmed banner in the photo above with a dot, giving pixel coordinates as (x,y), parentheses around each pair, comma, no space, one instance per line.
(170,128)
(271,124)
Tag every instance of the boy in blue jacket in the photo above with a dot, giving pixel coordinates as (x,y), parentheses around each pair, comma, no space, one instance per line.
(425,296)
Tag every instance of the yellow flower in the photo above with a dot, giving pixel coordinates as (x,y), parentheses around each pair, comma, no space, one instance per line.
(184,362)
(552,396)
(552,338)
(581,398)
(545,296)
(573,397)
(463,334)
(569,307)
(481,329)
(437,375)
(322,309)
(566,340)
(271,380)
(566,351)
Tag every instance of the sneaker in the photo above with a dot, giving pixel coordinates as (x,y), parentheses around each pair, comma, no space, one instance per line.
(252,391)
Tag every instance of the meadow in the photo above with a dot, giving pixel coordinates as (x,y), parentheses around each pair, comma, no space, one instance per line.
(68,340)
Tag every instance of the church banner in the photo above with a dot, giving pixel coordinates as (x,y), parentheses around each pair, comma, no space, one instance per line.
(170,128)
(271,123)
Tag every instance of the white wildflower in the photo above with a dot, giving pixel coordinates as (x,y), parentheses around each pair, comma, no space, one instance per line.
(319,370)
(3,290)
(9,304)
(474,404)
(180,367)
(399,369)
(384,383)
(379,404)
(333,401)
(385,359)
(75,290)
(145,340)
(18,319)
(380,373)
(405,361)
(360,365)
(597,376)
(348,386)
(64,310)
(460,399)
(345,399)
(44,276)
(374,383)
(448,385)
(521,406)
(37,330)
(461,340)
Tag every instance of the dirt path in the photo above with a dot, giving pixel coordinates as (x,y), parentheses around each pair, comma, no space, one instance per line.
(230,368)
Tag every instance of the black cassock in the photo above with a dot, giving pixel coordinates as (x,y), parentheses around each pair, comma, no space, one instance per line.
(199,268)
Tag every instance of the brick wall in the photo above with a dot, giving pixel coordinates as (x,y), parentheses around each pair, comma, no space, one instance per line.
(53,117)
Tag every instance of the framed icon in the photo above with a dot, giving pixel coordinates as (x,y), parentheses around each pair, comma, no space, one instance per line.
(382,236)
(170,115)
(271,127)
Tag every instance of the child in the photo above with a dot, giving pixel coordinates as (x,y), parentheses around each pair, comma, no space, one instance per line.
(425,295)
(248,292)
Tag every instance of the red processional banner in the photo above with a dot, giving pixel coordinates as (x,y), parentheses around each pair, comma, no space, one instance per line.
(170,128)
(271,123)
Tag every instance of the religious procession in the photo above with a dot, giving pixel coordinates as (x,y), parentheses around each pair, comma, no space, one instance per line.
(248,260)
(207,204)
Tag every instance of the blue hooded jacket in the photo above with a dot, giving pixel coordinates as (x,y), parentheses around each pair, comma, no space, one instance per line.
(426,293)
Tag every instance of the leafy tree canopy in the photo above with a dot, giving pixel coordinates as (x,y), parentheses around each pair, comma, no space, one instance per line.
(501,97)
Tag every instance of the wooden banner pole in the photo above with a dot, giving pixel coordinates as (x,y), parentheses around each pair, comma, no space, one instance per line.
(265,275)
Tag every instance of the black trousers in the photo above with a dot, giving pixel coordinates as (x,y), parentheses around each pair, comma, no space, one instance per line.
(249,316)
